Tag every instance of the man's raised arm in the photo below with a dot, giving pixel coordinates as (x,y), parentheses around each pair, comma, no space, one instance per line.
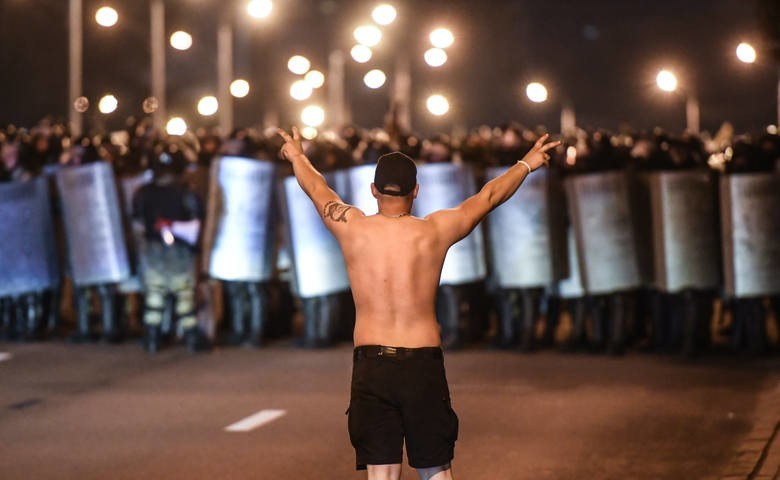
(332,209)
(455,223)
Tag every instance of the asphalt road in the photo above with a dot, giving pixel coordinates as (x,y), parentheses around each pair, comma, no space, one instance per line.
(100,411)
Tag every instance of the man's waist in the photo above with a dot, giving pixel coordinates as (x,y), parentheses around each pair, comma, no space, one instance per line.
(373,351)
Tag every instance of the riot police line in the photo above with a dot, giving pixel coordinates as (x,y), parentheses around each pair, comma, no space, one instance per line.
(634,246)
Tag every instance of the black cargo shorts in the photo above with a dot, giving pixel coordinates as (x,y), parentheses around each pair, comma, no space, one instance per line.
(401,394)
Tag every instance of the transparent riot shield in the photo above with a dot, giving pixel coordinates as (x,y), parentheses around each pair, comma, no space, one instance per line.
(446,185)
(750,221)
(521,239)
(93,224)
(601,218)
(239,233)
(360,180)
(685,240)
(28,259)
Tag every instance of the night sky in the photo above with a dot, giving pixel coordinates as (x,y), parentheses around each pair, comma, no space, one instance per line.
(602,55)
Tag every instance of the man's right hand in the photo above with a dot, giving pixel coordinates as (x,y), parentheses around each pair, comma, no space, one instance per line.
(292,145)
(538,155)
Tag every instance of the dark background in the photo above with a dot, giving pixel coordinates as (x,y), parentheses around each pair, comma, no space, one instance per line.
(603,55)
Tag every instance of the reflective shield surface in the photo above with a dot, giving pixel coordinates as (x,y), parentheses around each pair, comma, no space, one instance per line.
(445,185)
(93,224)
(571,286)
(601,217)
(318,263)
(750,221)
(520,236)
(360,180)
(685,241)
(28,261)
(238,237)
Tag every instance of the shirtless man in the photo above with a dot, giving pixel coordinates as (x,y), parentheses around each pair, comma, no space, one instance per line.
(394,260)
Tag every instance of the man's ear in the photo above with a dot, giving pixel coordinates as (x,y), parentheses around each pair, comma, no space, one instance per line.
(374,191)
(416,189)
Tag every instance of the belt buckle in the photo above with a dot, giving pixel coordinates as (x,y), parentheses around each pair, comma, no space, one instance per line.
(388,351)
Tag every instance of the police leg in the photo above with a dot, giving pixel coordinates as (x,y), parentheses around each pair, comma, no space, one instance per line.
(756,327)
(553,314)
(6,317)
(181,275)
(81,304)
(155,292)
(578,309)
(598,315)
(448,315)
(32,327)
(258,312)
(311,310)
(527,319)
(689,318)
(327,316)
(52,299)
(507,313)
(111,331)
(658,318)
(616,343)
(235,294)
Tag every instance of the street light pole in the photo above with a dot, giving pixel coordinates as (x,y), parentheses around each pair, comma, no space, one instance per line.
(225,73)
(692,114)
(337,108)
(157,42)
(402,91)
(75,52)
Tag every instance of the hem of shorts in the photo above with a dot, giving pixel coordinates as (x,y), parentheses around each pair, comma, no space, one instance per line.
(414,464)
(364,465)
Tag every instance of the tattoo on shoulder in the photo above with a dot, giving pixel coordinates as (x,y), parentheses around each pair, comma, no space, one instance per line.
(336,211)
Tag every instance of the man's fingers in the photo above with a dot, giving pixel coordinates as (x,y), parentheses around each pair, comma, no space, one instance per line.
(550,146)
(296,133)
(541,140)
(284,135)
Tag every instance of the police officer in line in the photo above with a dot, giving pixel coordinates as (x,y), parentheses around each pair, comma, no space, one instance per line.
(169,214)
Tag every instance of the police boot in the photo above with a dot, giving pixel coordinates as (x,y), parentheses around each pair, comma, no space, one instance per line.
(258,301)
(195,340)
(507,328)
(527,321)
(152,338)
(168,315)
(111,330)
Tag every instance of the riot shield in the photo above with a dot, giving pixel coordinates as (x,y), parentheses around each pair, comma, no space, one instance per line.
(238,237)
(318,264)
(750,221)
(360,180)
(446,185)
(571,286)
(601,217)
(521,240)
(93,224)
(685,241)
(28,259)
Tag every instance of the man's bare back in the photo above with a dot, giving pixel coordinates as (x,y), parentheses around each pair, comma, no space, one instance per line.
(394,263)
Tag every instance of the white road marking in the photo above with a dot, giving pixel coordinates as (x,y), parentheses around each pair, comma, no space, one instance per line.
(255,420)
(5,356)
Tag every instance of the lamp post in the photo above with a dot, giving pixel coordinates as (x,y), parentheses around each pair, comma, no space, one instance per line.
(75,61)
(667,81)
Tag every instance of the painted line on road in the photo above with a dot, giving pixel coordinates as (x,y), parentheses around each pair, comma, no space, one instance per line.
(5,356)
(255,420)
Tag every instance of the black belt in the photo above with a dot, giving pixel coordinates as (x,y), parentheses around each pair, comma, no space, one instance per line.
(374,351)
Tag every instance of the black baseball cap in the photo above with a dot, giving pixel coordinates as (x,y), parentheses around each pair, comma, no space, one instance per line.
(396,174)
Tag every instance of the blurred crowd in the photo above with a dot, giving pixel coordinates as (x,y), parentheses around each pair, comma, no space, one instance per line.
(48,146)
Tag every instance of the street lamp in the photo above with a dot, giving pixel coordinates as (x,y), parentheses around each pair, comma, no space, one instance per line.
(536,92)
(181,40)
(208,105)
(176,126)
(368,35)
(384,14)
(108,104)
(374,79)
(746,53)
(259,8)
(435,57)
(298,64)
(300,90)
(442,38)
(314,78)
(667,81)
(361,53)
(437,104)
(313,116)
(106,17)
(239,88)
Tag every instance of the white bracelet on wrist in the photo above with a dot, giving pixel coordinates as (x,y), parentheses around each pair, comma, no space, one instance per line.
(524,163)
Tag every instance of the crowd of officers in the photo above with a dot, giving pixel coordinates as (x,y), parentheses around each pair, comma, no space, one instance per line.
(176,297)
